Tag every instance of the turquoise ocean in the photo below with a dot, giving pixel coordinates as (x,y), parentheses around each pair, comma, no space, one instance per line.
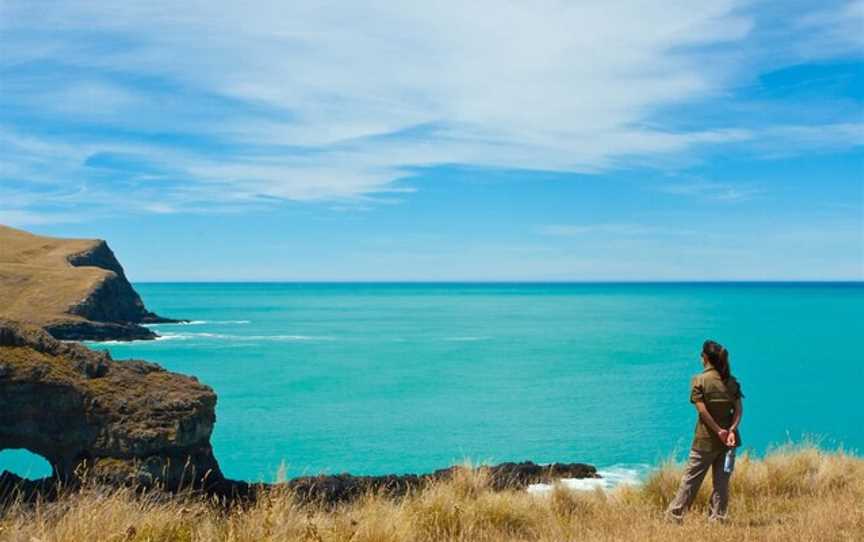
(394,378)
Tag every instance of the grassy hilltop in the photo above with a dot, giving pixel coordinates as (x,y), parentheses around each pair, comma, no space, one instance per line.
(73,288)
(793,494)
(38,284)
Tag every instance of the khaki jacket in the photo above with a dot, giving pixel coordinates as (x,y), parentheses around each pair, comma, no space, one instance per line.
(719,398)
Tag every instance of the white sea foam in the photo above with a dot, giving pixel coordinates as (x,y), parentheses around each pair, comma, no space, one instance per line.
(175,336)
(203,335)
(162,337)
(113,342)
(612,477)
(168,336)
(201,323)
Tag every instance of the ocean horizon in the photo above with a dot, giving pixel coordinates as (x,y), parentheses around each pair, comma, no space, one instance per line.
(505,282)
(397,377)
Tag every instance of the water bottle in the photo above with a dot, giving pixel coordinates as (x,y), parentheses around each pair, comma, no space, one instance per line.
(729,461)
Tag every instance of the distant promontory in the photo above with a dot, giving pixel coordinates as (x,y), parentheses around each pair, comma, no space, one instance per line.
(75,289)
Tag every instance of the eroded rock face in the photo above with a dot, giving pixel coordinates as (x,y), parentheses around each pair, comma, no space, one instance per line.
(113,299)
(127,422)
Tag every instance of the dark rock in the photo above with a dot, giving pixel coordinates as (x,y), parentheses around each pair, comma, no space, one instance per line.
(336,488)
(113,300)
(85,330)
(127,422)
(520,475)
(333,489)
(13,488)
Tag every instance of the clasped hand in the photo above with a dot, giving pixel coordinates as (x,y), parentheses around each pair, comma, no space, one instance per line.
(727,437)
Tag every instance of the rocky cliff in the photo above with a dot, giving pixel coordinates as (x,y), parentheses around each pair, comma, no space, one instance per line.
(128,422)
(73,288)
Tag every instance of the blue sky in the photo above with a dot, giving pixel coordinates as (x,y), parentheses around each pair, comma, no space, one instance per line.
(486,140)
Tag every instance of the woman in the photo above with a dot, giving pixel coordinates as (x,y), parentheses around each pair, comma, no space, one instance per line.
(717,397)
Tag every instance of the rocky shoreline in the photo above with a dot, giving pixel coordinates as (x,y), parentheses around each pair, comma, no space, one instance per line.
(132,423)
(99,331)
(327,489)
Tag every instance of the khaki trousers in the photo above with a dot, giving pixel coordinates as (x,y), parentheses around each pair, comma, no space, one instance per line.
(698,464)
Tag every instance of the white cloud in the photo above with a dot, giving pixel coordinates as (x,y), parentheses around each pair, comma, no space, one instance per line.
(843,135)
(336,100)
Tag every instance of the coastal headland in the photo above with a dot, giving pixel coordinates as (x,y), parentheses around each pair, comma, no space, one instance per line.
(75,289)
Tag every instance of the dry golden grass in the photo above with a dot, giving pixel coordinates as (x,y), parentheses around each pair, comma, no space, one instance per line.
(37,283)
(798,493)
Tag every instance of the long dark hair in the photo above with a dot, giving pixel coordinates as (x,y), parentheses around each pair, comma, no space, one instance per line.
(718,357)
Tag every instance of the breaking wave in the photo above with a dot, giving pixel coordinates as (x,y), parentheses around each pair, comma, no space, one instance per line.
(613,477)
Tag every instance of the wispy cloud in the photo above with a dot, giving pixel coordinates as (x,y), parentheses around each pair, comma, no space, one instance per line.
(616,230)
(712,190)
(213,105)
(830,30)
(21,218)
